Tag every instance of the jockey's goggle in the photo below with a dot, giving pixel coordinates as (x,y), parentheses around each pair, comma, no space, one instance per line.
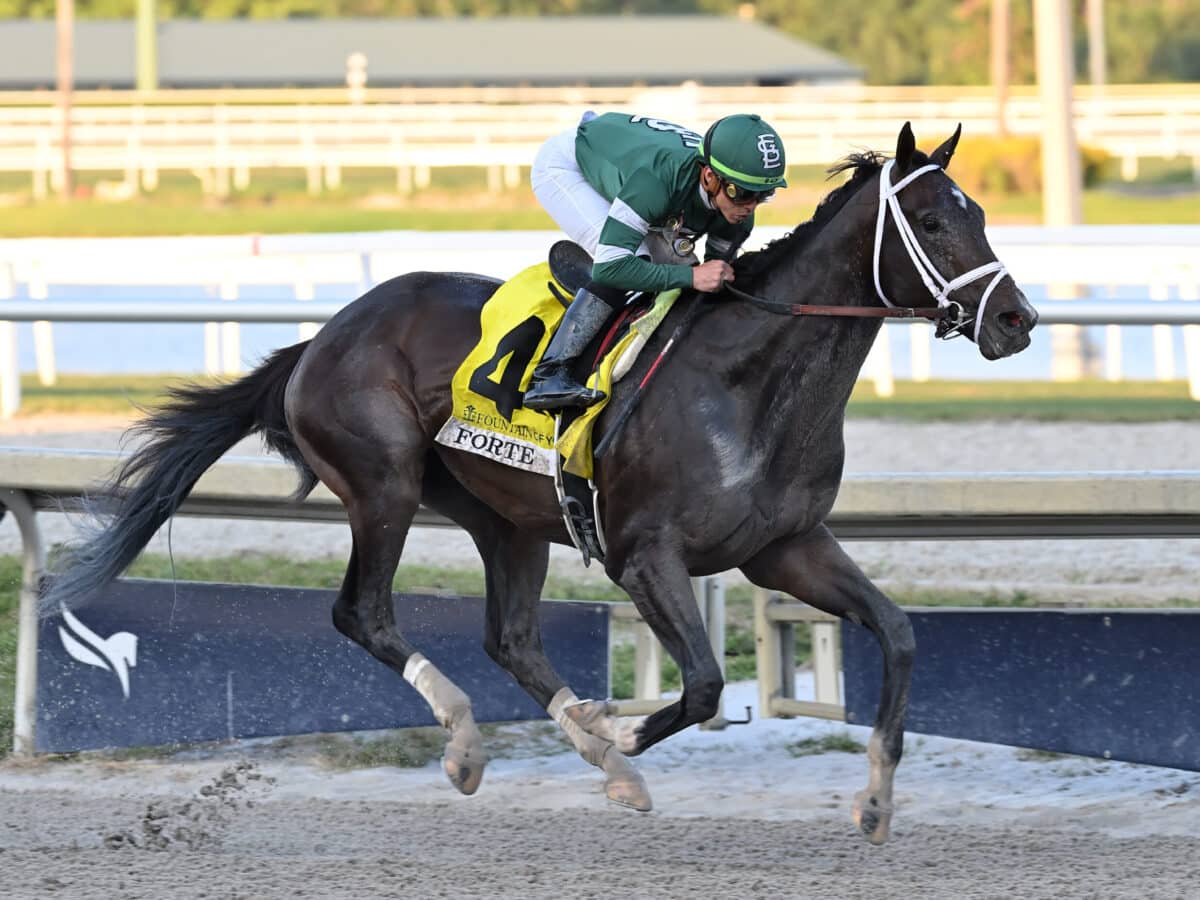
(744,197)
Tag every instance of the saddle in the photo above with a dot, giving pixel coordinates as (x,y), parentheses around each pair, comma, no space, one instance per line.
(487,416)
(571,267)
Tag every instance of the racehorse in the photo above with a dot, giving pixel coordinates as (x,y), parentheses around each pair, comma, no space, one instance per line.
(732,459)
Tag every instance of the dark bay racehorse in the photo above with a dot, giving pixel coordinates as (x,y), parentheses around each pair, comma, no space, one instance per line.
(731,461)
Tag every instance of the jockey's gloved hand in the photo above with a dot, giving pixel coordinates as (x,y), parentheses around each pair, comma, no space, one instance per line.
(708,277)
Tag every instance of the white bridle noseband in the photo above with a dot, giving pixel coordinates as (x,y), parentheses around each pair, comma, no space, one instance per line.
(938,286)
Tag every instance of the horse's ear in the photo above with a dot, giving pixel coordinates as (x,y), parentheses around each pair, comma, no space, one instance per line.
(905,145)
(941,156)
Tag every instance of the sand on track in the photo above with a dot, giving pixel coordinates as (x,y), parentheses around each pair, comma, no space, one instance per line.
(738,813)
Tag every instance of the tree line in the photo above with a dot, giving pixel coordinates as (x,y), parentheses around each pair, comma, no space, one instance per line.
(894,41)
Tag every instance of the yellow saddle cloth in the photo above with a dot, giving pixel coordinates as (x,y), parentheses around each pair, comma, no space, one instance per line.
(488,418)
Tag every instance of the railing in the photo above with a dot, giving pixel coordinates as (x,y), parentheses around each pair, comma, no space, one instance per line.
(1095,261)
(878,367)
(894,506)
(222,137)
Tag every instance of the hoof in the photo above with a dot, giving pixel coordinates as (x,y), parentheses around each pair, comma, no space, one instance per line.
(873,819)
(464,767)
(624,784)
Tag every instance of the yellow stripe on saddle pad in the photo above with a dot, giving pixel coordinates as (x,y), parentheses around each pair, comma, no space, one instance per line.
(488,418)
(575,444)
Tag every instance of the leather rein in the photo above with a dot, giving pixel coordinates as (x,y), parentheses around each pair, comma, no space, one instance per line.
(780,307)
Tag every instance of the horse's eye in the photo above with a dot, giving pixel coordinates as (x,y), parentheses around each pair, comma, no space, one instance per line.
(930,224)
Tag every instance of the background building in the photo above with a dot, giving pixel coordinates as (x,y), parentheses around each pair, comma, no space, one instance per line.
(591,50)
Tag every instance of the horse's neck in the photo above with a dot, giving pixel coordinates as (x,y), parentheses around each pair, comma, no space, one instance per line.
(819,358)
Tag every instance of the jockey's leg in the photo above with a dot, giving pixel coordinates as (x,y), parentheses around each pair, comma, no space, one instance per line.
(553,387)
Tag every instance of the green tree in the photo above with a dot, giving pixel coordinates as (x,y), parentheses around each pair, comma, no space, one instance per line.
(1152,41)
(894,41)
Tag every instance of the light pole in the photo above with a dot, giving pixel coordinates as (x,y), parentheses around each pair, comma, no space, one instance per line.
(65,58)
(1000,65)
(1097,52)
(147,46)
(1062,178)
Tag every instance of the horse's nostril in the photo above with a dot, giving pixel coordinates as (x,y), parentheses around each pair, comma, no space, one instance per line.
(1011,319)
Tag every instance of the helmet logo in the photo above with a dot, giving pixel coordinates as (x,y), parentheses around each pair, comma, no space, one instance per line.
(771,156)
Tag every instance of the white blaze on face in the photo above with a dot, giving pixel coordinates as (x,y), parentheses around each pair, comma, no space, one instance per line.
(959,196)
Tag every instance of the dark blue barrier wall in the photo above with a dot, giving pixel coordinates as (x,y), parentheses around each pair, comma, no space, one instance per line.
(224,661)
(1117,684)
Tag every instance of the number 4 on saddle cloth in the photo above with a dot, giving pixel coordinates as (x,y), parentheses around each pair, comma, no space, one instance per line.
(517,322)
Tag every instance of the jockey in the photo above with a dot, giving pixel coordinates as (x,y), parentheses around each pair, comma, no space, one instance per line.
(622,187)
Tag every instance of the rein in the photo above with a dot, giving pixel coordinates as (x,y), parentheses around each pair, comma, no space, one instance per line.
(949,314)
(783,308)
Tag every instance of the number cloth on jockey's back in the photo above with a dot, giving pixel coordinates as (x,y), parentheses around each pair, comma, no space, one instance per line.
(650,168)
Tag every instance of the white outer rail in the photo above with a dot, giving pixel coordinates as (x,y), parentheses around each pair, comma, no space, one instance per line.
(1074,312)
(1096,260)
(1160,315)
(893,506)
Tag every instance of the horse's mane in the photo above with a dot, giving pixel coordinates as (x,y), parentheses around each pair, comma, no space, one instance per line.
(751,266)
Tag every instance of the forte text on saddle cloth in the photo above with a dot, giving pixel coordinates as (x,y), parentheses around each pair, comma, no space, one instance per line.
(488,419)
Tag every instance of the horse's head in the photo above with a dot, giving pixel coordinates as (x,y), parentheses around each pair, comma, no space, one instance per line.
(930,247)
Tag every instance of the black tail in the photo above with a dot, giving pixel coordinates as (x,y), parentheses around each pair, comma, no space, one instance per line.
(185,436)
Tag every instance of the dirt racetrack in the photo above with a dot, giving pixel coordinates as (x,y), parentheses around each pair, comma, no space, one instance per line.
(751,811)
(364,849)
(744,812)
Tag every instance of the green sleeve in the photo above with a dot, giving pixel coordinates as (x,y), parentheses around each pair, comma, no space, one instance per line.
(640,204)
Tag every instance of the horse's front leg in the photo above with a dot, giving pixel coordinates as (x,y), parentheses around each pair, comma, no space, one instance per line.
(815,570)
(657,581)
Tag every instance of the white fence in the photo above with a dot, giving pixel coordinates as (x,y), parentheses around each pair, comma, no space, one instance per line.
(895,506)
(416,131)
(1160,262)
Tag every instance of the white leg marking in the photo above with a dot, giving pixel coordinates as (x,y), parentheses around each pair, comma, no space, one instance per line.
(464,759)
(623,783)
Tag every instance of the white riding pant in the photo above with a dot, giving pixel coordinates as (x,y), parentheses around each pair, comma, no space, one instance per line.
(565,194)
(577,207)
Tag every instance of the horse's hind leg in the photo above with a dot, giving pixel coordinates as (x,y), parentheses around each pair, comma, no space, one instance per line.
(815,570)
(380,485)
(515,565)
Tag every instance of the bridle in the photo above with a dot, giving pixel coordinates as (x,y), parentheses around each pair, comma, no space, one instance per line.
(949,314)
(956,317)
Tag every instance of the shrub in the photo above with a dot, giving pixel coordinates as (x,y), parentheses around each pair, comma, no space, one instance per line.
(1012,165)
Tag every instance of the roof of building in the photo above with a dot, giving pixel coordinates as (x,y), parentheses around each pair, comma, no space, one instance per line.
(593,50)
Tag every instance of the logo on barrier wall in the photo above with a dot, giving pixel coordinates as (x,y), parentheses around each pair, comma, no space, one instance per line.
(117,654)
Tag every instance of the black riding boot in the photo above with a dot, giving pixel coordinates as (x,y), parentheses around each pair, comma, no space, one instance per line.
(552,386)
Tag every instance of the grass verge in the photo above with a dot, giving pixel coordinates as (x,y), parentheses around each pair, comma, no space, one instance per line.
(458,199)
(1043,401)
(940,400)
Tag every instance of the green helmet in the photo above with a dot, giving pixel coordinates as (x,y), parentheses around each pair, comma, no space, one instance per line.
(747,151)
